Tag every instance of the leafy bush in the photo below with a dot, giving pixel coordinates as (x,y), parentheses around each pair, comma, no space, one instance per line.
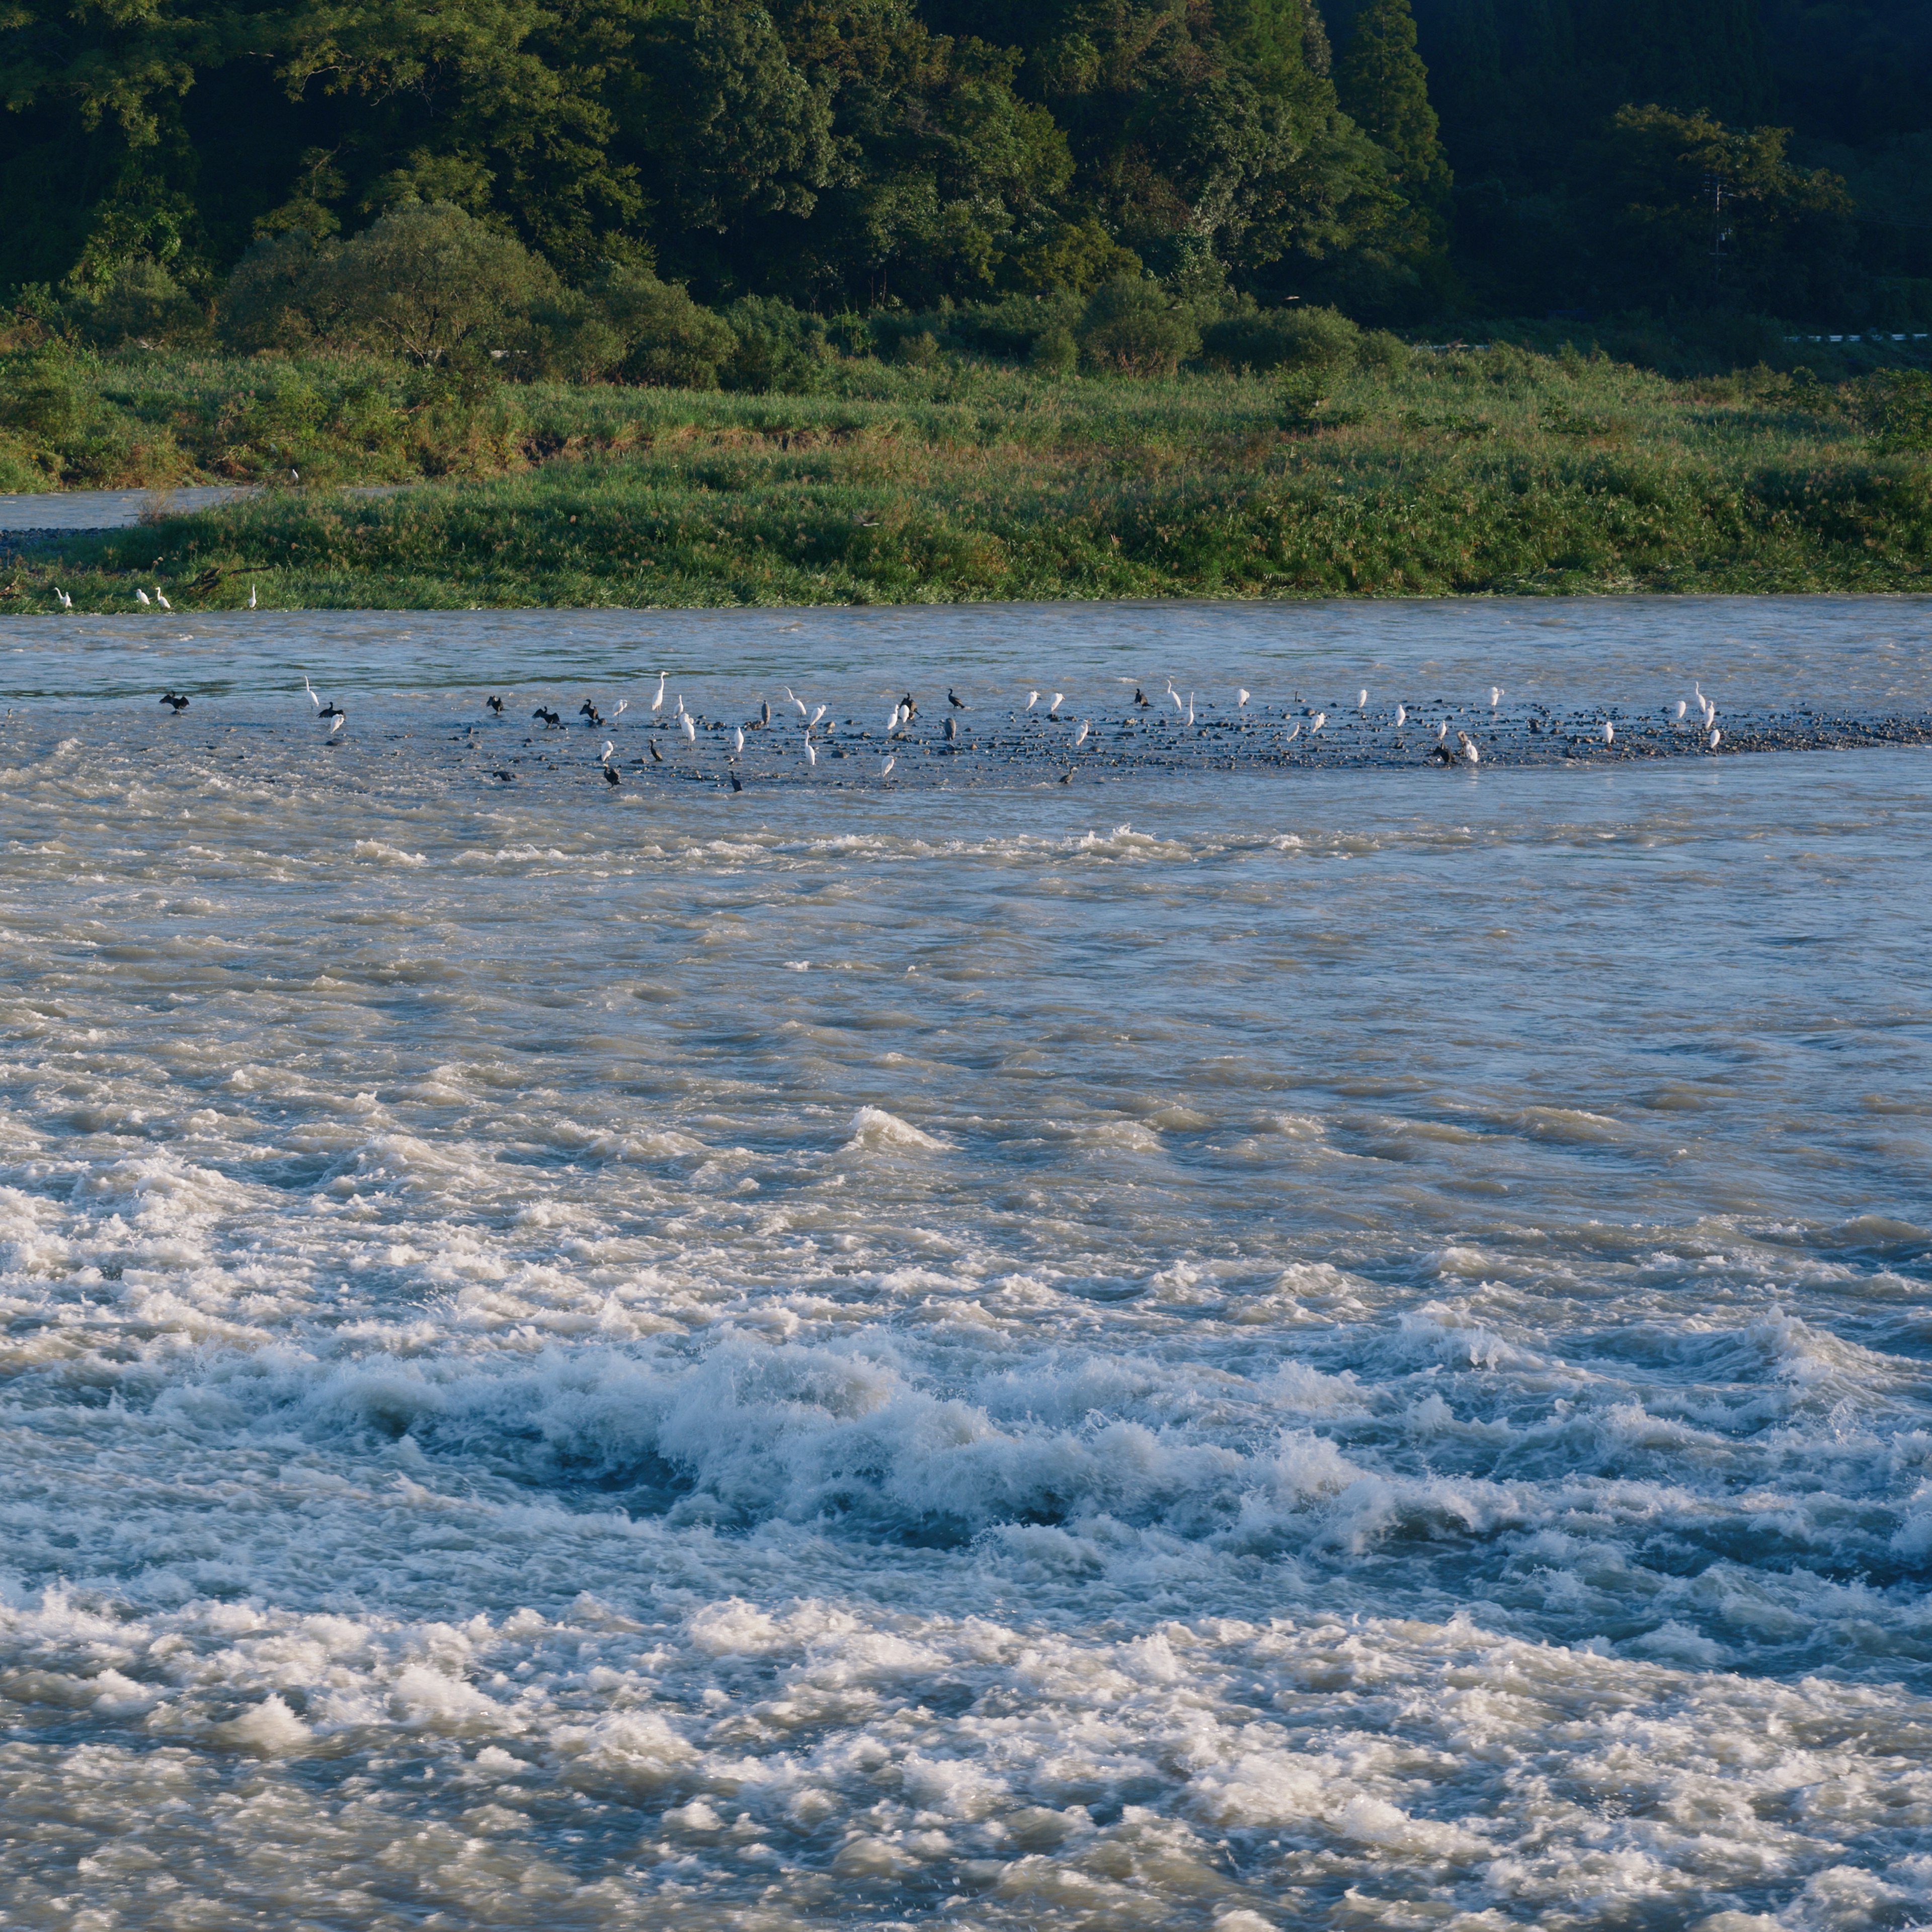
(140,302)
(1130,325)
(1057,352)
(41,395)
(779,348)
(425,280)
(1284,338)
(669,341)
(1894,408)
(269,302)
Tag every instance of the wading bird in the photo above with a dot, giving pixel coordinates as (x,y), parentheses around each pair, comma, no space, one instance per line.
(1469,744)
(317,702)
(496,704)
(1717,738)
(549,717)
(175,701)
(886,770)
(66,601)
(160,600)
(817,715)
(657,703)
(1610,733)
(623,705)
(1190,707)
(1320,719)
(140,593)
(1496,696)
(738,743)
(341,718)
(1362,701)
(1080,736)
(952,698)
(251,597)
(1401,716)
(810,752)
(735,785)
(590,713)
(657,756)
(604,756)
(1033,698)
(690,729)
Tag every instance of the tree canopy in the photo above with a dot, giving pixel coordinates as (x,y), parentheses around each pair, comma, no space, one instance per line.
(868,154)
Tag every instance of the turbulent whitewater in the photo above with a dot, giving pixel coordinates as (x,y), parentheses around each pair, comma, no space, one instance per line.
(1207,1348)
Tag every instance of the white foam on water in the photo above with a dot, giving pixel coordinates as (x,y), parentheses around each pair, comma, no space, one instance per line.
(1247,1391)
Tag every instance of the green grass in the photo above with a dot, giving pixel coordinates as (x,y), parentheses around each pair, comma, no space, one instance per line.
(1478,473)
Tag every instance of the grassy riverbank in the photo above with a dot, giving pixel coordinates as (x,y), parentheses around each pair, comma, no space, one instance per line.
(1492,471)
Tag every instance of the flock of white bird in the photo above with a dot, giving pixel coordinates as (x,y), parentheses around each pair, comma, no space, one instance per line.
(904,711)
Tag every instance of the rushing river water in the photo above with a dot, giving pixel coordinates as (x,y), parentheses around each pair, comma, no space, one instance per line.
(1317,1348)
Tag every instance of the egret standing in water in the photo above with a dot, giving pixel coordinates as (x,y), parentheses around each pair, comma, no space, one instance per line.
(1033,698)
(1320,718)
(657,703)
(690,729)
(886,770)
(1080,736)
(810,752)
(1610,733)
(1241,700)
(1401,716)
(738,743)
(1496,696)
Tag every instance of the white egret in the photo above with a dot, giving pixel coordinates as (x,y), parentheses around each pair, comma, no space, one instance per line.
(1469,749)
(738,743)
(1717,738)
(140,593)
(886,770)
(657,703)
(251,597)
(604,756)
(66,601)
(1320,718)
(1033,698)
(1080,736)
(160,600)
(690,729)
(1401,715)
(810,752)
(623,705)
(1053,709)
(310,689)
(341,719)
(1442,729)
(1175,695)
(1610,733)
(677,709)
(1362,701)
(1496,696)
(1295,733)
(1241,700)
(1190,707)
(817,715)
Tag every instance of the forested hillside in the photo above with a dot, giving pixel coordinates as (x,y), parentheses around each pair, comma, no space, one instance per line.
(1479,158)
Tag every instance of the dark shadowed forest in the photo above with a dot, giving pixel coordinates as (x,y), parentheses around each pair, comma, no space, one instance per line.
(618,175)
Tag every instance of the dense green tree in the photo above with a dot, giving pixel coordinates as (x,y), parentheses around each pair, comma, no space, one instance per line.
(1384,87)
(1702,212)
